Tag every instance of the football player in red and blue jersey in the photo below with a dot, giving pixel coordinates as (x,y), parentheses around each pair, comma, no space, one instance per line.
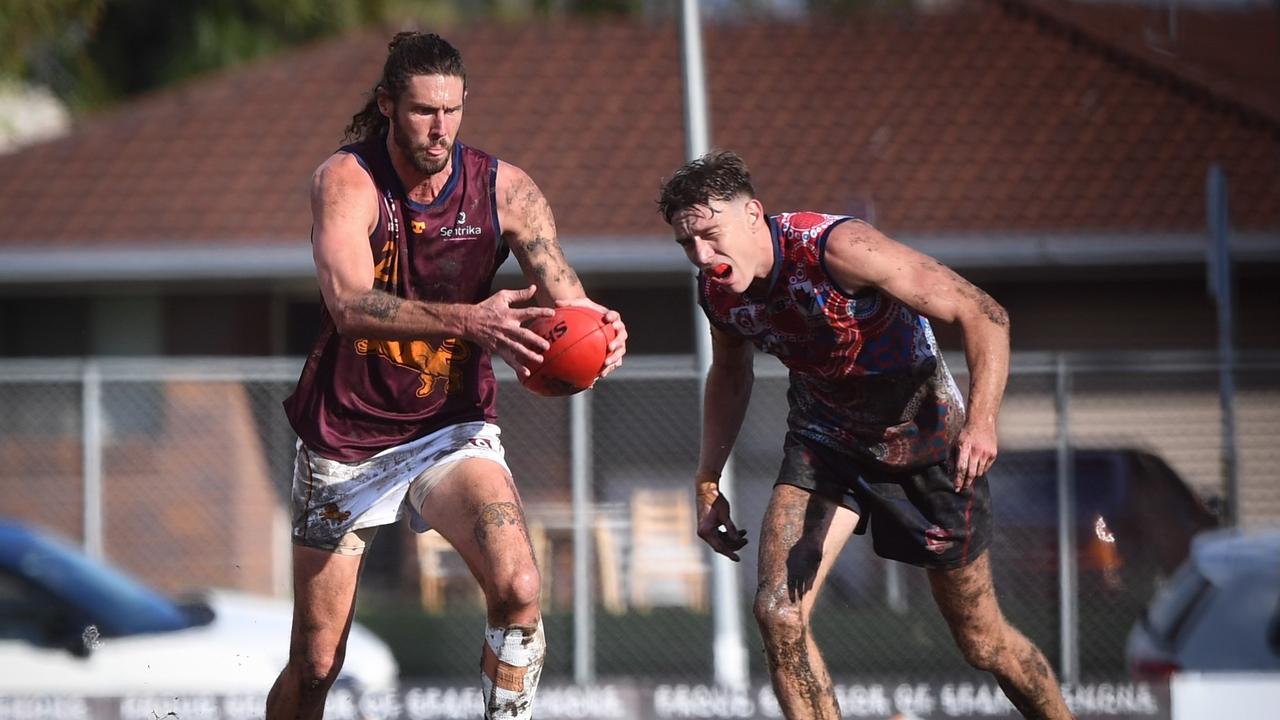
(878,434)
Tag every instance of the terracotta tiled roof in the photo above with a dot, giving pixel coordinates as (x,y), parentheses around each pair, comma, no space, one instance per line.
(1233,54)
(990,117)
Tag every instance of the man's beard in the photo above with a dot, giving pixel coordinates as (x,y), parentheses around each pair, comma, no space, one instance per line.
(424,163)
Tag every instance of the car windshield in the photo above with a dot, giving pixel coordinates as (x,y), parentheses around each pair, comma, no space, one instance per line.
(1175,601)
(116,603)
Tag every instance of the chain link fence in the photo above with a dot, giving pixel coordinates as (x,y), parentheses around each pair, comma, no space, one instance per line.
(178,472)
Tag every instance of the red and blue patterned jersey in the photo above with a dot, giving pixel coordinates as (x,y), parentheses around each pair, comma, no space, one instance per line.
(866,374)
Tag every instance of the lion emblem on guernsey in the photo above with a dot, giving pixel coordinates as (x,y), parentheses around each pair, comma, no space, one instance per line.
(436,366)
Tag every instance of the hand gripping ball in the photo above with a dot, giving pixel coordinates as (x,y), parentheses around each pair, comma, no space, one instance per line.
(579,340)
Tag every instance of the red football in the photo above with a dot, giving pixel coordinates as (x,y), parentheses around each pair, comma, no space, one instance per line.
(579,341)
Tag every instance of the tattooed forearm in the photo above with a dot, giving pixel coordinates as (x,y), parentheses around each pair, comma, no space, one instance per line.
(527,203)
(548,263)
(535,235)
(379,305)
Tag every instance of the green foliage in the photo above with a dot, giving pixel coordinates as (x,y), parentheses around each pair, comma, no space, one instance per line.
(142,44)
(37,36)
(92,52)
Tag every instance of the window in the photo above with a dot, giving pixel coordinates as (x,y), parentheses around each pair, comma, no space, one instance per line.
(1174,604)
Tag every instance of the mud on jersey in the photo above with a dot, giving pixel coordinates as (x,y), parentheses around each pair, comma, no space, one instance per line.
(866,374)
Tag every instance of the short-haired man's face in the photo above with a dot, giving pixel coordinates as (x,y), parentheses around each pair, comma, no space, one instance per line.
(425,120)
(723,239)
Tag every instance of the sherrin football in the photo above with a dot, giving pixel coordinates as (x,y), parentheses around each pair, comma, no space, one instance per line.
(579,340)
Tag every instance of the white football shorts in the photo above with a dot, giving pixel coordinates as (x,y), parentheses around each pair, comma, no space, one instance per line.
(338,506)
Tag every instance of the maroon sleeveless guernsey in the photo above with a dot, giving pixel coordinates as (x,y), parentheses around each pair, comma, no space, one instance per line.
(359,396)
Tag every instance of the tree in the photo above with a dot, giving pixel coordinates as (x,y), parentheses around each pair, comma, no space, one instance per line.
(94,52)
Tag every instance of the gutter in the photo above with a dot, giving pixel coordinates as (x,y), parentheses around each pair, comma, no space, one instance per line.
(636,255)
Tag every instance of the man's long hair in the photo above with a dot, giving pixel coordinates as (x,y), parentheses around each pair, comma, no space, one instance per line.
(718,175)
(408,54)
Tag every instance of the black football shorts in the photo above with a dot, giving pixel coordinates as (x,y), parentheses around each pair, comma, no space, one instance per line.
(915,516)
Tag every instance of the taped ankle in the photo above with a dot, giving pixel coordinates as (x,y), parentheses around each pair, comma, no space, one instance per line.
(512,665)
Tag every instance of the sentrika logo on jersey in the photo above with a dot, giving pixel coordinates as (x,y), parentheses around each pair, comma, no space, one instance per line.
(460,230)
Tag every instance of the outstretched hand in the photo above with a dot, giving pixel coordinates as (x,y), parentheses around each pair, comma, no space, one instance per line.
(499,327)
(618,345)
(975,453)
(715,526)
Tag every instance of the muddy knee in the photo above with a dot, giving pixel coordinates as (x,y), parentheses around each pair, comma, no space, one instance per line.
(780,621)
(981,651)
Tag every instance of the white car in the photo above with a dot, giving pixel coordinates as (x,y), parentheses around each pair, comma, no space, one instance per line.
(70,625)
(1219,613)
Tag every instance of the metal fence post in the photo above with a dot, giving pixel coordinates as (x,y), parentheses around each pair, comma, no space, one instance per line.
(729,647)
(1222,289)
(1069,631)
(895,588)
(91,461)
(583,510)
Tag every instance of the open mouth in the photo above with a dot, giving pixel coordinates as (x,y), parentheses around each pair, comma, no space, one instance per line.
(721,272)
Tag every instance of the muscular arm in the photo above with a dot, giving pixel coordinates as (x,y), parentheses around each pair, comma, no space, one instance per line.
(344,211)
(858,256)
(530,230)
(728,392)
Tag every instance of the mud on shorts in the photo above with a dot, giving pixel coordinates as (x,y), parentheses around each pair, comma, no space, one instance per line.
(339,506)
(915,516)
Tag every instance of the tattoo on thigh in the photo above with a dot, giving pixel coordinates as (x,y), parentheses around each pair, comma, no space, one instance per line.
(497,515)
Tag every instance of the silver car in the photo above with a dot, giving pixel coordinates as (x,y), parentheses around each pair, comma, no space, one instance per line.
(1219,612)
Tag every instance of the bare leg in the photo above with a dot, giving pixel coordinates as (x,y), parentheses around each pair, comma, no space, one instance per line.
(799,541)
(968,602)
(477,509)
(324,594)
